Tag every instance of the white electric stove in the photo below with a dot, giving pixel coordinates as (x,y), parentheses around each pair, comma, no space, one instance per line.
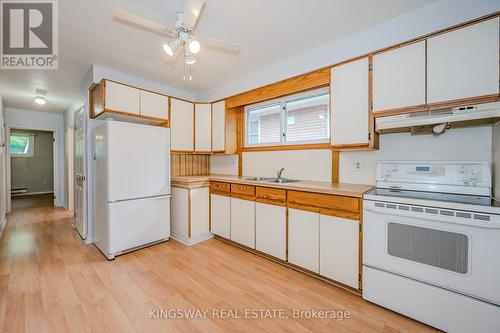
(431,244)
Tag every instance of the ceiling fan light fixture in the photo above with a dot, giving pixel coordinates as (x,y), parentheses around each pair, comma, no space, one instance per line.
(194,46)
(40,100)
(171,46)
(189,59)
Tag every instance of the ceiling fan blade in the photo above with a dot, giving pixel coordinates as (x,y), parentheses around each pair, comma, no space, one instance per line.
(219,44)
(131,19)
(192,12)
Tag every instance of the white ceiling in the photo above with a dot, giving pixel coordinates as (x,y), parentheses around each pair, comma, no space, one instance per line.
(268,31)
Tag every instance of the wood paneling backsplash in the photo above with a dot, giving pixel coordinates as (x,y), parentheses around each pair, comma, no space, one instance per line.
(190,165)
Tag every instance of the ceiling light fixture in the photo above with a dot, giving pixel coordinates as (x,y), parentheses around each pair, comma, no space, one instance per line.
(194,46)
(171,46)
(40,97)
(190,59)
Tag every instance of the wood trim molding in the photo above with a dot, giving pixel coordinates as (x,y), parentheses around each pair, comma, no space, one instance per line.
(335,166)
(316,79)
(288,147)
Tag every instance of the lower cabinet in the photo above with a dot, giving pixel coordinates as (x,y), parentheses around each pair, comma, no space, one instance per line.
(220,215)
(339,249)
(303,239)
(243,222)
(190,215)
(270,230)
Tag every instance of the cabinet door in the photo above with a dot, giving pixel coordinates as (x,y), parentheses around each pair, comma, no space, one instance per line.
(199,211)
(339,250)
(349,103)
(303,239)
(180,211)
(122,98)
(203,127)
(154,105)
(399,77)
(219,126)
(181,125)
(220,215)
(243,222)
(463,63)
(270,230)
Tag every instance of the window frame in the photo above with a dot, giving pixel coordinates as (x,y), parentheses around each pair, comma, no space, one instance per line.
(282,101)
(31,145)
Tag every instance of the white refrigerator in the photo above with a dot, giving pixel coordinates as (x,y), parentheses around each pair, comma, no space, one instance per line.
(131,186)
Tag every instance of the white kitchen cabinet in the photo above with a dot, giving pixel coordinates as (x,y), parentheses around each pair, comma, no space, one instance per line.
(122,98)
(349,103)
(154,105)
(463,63)
(243,222)
(303,239)
(270,229)
(190,215)
(203,127)
(339,249)
(220,215)
(181,125)
(218,126)
(399,77)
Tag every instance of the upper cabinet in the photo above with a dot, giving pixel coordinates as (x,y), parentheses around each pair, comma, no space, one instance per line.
(181,125)
(122,98)
(154,105)
(349,105)
(110,99)
(464,63)
(218,126)
(203,127)
(399,77)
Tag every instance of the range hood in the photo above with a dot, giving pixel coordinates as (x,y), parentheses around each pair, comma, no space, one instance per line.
(438,121)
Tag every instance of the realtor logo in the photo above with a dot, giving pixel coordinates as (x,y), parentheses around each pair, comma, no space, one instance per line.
(29,34)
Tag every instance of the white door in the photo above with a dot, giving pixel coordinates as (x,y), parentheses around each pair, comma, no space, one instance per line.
(463,63)
(80,173)
(220,215)
(270,229)
(203,127)
(219,126)
(154,105)
(399,77)
(138,161)
(339,250)
(243,222)
(70,142)
(122,98)
(349,103)
(182,125)
(303,239)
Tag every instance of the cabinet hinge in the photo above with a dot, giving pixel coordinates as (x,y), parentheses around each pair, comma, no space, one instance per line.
(369,136)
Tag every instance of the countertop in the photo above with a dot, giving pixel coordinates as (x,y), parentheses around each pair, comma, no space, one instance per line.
(343,189)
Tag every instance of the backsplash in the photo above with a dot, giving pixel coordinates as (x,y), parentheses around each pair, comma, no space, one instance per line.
(190,165)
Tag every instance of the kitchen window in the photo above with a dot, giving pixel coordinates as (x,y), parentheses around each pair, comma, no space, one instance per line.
(296,119)
(22,145)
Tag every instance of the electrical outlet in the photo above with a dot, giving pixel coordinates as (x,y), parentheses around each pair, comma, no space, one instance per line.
(357,165)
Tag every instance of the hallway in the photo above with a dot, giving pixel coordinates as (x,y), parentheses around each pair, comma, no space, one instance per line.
(50,281)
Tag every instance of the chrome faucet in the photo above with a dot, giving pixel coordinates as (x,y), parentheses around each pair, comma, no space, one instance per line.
(280,172)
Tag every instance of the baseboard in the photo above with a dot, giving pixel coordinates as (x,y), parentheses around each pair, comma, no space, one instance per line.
(31,193)
(190,241)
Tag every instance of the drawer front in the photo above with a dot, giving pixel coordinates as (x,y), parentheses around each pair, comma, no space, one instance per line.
(270,194)
(326,201)
(219,187)
(247,190)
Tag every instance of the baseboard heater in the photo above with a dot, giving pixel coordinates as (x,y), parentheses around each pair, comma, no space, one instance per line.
(18,191)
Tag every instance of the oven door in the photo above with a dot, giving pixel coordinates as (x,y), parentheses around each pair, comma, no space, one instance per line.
(433,248)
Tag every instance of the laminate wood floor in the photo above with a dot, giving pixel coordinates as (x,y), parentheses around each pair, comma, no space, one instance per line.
(50,281)
(32,200)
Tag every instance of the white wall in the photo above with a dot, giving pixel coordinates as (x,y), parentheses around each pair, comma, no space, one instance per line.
(224,164)
(313,164)
(426,19)
(3,165)
(459,144)
(44,121)
(496,160)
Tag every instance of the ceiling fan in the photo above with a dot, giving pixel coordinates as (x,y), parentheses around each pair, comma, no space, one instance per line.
(183,37)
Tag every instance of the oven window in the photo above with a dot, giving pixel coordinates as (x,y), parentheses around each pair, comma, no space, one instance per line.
(442,249)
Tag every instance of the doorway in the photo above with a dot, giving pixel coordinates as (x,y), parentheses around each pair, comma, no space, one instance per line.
(31,168)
